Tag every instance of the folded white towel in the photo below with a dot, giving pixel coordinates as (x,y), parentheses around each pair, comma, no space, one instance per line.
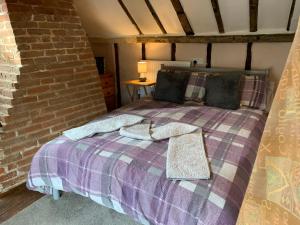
(186,158)
(103,126)
(171,130)
(145,132)
(138,131)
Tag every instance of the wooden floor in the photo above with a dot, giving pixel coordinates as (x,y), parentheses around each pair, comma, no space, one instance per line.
(15,200)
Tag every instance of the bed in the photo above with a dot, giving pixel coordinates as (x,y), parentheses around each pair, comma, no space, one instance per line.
(129,175)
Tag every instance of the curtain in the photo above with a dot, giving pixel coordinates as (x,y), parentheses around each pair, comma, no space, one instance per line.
(273,194)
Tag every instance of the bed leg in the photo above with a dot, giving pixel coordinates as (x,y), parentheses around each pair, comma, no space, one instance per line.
(55,194)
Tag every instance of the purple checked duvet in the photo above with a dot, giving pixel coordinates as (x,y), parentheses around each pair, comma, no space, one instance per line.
(129,175)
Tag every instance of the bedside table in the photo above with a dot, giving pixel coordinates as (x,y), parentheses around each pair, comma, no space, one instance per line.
(136,84)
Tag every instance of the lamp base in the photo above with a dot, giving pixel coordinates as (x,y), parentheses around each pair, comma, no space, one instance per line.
(142,79)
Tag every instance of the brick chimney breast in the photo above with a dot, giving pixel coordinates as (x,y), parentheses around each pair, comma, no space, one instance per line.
(48,80)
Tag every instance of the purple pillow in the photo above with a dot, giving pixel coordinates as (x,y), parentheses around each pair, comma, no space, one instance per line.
(254,91)
(195,90)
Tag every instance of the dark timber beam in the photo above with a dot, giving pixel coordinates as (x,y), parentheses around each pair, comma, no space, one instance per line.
(291,15)
(218,38)
(208,55)
(216,8)
(129,16)
(117,67)
(182,17)
(248,62)
(173,52)
(155,16)
(253,12)
(143,51)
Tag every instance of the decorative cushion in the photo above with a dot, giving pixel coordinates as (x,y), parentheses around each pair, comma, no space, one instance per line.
(254,91)
(171,86)
(223,91)
(195,90)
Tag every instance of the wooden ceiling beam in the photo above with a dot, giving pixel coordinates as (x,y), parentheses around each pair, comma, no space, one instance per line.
(125,40)
(216,8)
(155,16)
(186,26)
(129,16)
(286,37)
(253,12)
(283,37)
(291,15)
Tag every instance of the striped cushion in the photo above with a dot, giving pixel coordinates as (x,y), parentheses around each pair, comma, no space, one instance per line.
(254,92)
(195,90)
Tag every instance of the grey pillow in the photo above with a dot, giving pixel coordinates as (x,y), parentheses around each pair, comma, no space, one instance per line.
(171,86)
(223,91)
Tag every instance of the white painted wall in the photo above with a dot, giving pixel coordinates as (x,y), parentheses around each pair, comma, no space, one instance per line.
(295,18)
(270,55)
(273,15)
(264,55)
(235,15)
(104,18)
(167,17)
(200,15)
(228,55)
(129,55)
(141,14)
(189,51)
(158,51)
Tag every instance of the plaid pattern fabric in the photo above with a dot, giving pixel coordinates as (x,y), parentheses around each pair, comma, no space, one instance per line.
(254,92)
(195,90)
(130,175)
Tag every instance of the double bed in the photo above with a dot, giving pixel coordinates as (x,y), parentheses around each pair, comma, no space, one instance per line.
(129,175)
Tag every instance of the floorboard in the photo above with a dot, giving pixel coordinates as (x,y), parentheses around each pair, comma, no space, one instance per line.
(15,200)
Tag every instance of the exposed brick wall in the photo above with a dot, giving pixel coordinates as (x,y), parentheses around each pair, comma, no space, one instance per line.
(48,80)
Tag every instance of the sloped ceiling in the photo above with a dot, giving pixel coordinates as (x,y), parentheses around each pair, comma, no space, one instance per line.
(107,19)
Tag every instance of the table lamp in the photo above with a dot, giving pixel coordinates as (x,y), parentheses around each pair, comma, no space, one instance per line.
(142,70)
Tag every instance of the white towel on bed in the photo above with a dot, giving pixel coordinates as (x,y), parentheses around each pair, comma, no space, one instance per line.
(145,132)
(103,126)
(172,129)
(186,158)
(138,131)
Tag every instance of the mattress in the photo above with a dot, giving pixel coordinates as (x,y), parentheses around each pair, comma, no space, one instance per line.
(130,175)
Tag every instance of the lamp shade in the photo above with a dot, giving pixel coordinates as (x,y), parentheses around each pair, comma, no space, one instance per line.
(142,67)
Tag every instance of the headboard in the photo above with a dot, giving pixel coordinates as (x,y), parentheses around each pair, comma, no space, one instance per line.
(155,65)
(264,72)
(217,70)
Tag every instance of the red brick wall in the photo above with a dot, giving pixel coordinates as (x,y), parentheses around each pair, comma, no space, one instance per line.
(48,80)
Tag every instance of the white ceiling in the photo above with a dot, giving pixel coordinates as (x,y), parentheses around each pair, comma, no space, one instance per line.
(233,9)
(106,18)
(273,14)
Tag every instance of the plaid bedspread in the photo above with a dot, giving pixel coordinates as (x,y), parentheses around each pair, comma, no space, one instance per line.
(129,175)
